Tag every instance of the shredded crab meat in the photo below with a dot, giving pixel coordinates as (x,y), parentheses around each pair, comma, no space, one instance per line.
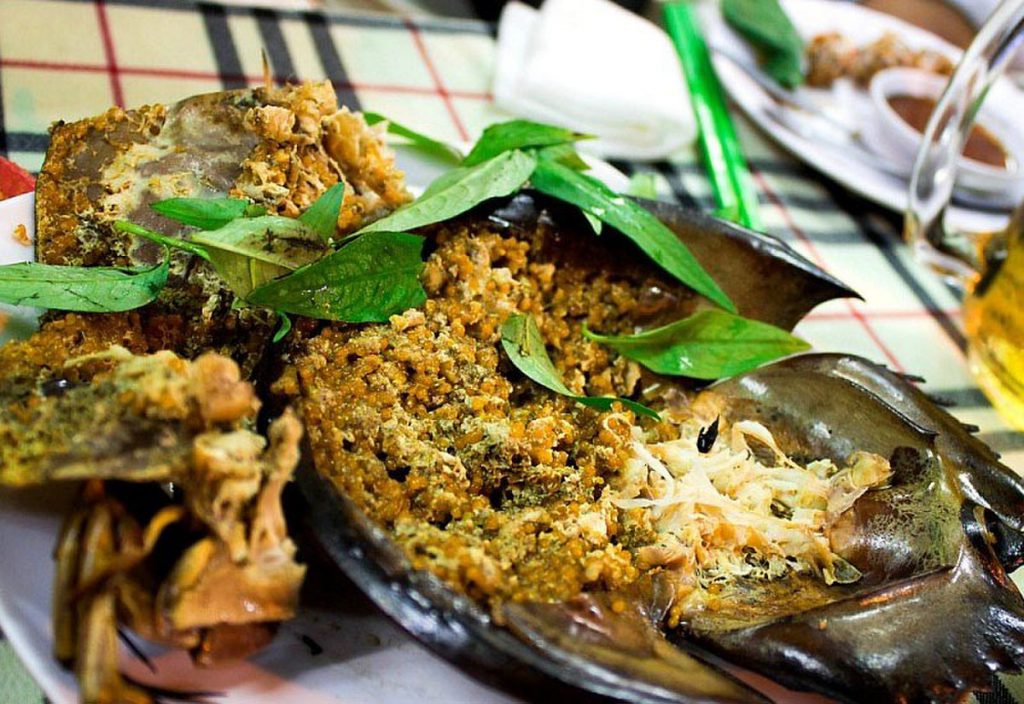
(744,507)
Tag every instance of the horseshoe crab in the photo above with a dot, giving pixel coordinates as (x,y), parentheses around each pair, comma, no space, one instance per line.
(403,494)
(496,521)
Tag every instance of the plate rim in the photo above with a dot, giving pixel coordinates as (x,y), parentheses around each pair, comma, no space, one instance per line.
(881,189)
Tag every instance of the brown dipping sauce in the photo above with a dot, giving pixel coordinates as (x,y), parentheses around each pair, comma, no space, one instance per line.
(982,145)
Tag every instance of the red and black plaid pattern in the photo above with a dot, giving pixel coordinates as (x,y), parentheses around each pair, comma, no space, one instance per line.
(73,58)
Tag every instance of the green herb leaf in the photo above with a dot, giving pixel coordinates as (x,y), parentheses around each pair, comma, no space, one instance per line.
(767,26)
(711,344)
(322,216)
(525,347)
(284,327)
(206,213)
(249,252)
(369,280)
(517,134)
(85,289)
(427,144)
(643,184)
(564,154)
(650,234)
(595,223)
(170,242)
(459,190)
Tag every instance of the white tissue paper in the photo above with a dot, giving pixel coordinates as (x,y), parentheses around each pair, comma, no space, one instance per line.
(594,67)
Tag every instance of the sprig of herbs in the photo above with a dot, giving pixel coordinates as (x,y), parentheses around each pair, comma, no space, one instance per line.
(509,154)
(369,280)
(285,264)
(768,28)
(518,134)
(250,252)
(95,289)
(295,266)
(710,344)
(524,346)
(648,232)
(429,145)
(207,213)
(459,190)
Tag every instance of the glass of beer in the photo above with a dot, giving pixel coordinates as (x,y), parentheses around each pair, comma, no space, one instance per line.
(987,266)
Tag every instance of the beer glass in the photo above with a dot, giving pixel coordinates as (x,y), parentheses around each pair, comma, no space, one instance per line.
(987,267)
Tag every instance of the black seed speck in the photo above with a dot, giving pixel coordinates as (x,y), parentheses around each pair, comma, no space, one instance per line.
(706,438)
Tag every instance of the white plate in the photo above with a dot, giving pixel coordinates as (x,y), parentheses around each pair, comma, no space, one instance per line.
(843,102)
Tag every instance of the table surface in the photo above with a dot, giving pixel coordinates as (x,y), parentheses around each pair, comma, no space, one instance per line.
(74,58)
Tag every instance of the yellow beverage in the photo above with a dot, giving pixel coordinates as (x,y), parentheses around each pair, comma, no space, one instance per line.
(994,321)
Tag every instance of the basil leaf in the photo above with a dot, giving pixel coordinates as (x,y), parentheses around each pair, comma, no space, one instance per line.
(524,346)
(564,154)
(768,28)
(170,242)
(81,288)
(517,134)
(249,252)
(650,234)
(367,281)
(459,190)
(427,144)
(206,213)
(284,327)
(710,344)
(643,184)
(322,216)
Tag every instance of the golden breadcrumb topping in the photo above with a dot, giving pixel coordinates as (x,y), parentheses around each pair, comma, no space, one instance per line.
(510,492)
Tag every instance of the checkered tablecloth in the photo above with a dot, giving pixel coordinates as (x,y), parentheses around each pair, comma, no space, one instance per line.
(74,58)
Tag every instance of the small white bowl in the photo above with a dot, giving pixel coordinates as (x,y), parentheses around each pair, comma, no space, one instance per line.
(897,141)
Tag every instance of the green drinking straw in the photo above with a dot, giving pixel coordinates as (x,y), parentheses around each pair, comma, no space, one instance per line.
(727,167)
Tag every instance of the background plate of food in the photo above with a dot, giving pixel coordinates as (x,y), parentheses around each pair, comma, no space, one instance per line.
(832,123)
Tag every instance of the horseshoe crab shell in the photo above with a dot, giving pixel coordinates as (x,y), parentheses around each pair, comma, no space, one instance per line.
(935,613)
(586,644)
(932,617)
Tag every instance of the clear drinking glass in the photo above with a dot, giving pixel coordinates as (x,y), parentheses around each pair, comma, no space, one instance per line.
(987,266)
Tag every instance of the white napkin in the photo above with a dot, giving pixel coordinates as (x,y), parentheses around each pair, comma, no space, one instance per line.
(594,67)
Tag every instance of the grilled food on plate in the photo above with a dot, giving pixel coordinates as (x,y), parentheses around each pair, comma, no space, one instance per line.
(561,435)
